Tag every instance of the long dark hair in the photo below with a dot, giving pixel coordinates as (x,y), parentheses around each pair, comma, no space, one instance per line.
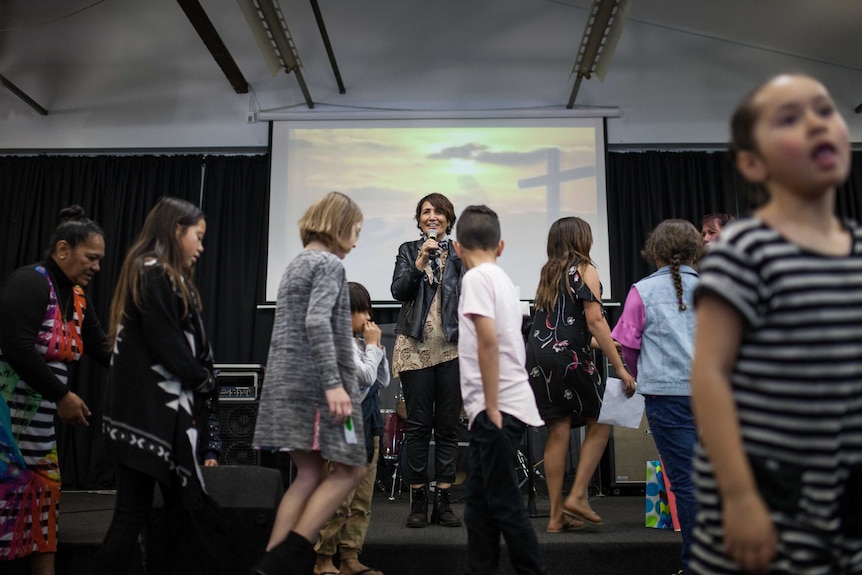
(159,238)
(569,243)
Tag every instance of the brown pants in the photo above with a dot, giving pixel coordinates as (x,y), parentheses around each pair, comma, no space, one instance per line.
(345,532)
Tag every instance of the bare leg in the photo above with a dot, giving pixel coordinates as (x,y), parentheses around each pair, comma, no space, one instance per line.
(42,563)
(592,449)
(326,499)
(555,468)
(310,470)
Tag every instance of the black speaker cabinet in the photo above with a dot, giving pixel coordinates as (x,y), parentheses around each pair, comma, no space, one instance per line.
(248,498)
(237,432)
(630,449)
(239,397)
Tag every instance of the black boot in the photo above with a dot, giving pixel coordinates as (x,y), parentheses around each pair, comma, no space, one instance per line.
(293,556)
(418,507)
(442,513)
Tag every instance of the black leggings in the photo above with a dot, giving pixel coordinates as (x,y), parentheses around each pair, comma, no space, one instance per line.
(131,515)
(433,399)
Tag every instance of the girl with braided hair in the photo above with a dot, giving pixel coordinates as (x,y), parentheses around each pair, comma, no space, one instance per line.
(656,331)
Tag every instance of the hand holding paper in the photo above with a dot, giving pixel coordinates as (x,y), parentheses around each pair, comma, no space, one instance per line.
(617,409)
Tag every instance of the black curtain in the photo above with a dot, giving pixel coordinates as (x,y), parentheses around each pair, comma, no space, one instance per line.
(645,188)
(232,269)
(118,191)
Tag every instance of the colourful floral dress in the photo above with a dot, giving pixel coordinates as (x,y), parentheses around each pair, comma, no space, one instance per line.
(559,360)
(29,469)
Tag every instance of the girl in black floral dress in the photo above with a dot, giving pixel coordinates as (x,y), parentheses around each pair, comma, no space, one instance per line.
(564,379)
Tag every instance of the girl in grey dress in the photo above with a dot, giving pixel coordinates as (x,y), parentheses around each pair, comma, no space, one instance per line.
(311,388)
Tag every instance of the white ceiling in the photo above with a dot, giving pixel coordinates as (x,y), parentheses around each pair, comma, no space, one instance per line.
(97,56)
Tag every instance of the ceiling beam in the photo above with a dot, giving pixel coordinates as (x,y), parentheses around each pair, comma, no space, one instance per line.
(211,39)
(328,45)
(21,95)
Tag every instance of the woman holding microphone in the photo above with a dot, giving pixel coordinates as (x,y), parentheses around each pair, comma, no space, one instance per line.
(427,281)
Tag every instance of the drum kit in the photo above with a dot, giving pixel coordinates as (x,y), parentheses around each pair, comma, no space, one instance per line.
(394,423)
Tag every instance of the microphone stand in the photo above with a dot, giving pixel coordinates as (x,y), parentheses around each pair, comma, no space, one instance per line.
(531,487)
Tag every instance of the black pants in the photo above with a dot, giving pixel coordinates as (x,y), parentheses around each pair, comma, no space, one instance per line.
(495,504)
(132,511)
(433,400)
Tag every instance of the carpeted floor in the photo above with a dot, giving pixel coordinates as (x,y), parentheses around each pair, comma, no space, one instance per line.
(622,546)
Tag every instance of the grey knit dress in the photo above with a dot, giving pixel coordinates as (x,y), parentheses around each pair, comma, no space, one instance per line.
(311,350)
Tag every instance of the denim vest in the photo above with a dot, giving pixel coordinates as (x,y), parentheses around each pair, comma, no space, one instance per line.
(667,341)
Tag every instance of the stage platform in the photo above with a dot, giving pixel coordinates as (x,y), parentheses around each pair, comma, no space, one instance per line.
(622,546)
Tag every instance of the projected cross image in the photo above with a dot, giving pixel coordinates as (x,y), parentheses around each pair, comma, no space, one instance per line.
(530,173)
(552,181)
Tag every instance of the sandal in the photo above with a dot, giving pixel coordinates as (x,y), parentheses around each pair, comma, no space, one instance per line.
(588,516)
(572,525)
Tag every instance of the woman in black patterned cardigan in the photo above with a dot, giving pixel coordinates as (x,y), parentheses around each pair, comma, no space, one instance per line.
(159,380)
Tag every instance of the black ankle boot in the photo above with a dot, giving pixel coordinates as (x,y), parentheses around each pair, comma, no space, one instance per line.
(293,556)
(442,513)
(418,507)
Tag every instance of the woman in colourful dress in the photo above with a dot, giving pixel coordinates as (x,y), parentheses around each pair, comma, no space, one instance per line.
(47,323)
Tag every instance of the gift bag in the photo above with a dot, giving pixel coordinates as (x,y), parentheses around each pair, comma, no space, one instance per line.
(671,500)
(657,512)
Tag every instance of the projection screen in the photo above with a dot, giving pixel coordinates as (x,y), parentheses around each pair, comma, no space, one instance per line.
(531,171)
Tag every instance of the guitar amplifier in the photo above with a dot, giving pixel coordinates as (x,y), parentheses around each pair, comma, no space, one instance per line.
(630,449)
(239,397)
(238,382)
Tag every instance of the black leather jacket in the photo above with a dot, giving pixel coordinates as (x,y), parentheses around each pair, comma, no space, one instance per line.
(412,288)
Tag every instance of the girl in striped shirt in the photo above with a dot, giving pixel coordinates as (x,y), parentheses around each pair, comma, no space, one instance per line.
(777,369)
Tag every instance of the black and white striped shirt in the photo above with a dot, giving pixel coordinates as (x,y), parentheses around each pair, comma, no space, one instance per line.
(797,381)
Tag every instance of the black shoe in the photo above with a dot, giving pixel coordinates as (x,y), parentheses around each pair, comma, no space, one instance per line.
(442,513)
(293,556)
(418,507)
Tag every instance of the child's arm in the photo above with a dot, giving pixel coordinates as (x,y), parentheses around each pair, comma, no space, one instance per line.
(368,360)
(489,365)
(602,332)
(749,535)
(627,334)
(630,357)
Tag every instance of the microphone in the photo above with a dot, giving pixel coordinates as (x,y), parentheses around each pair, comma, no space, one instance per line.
(432,235)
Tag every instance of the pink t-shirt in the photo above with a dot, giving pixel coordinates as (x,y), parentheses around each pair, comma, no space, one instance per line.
(629,328)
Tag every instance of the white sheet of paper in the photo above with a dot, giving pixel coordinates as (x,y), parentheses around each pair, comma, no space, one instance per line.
(617,409)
